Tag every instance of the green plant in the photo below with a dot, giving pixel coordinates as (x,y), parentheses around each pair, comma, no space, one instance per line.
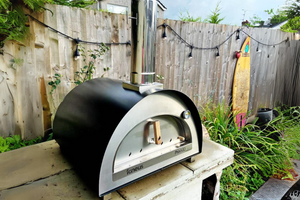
(87,71)
(187,17)
(214,17)
(12,24)
(13,21)
(256,21)
(277,17)
(15,142)
(292,8)
(259,152)
(293,25)
(75,3)
(16,61)
(54,83)
(3,145)
(159,78)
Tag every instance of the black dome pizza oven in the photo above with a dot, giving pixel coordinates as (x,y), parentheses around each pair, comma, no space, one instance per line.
(114,132)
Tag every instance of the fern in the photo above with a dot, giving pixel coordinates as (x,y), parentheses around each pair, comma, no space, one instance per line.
(4,4)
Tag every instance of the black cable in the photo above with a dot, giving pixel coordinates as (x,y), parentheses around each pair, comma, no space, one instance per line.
(74,39)
(264,43)
(165,26)
(199,48)
(217,46)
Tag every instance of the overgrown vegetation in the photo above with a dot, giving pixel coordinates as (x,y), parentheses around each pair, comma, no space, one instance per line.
(278,16)
(186,17)
(14,22)
(55,82)
(15,142)
(214,17)
(290,11)
(260,152)
(293,25)
(90,57)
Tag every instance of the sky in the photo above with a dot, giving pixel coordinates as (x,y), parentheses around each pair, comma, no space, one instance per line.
(232,10)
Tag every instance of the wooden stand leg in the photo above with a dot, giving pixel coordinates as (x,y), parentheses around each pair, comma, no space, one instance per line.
(217,188)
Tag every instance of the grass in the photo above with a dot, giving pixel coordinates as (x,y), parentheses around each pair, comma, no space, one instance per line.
(260,152)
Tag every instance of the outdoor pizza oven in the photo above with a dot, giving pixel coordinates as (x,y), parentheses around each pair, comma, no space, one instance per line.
(115,133)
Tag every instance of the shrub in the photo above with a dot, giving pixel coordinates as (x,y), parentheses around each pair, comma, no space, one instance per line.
(259,152)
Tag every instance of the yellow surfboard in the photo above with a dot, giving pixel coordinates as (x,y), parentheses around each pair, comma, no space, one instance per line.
(241,85)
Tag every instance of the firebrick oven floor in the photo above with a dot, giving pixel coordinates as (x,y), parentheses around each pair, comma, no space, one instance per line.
(41,172)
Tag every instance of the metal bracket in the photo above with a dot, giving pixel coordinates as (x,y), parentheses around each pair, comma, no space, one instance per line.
(136,18)
(143,89)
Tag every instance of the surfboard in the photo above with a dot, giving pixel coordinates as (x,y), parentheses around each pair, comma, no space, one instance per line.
(241,85)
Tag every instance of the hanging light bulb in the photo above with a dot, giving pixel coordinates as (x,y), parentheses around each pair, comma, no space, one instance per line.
(217,54)
(164,35)
(76,54)
(238,34)
(191,53)
(257,49)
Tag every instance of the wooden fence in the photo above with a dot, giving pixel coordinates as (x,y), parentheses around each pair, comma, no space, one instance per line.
(27,107)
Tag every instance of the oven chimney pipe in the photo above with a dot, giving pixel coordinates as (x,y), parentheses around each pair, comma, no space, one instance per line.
(143,37)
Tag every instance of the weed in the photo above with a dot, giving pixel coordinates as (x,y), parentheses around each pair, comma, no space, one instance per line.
(87,71)
(55,82)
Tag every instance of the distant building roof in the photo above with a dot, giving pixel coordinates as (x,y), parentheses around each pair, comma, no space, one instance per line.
(268,24)
(277,26)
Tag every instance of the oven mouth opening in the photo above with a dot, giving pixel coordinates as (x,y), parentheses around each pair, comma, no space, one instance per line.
(152,141)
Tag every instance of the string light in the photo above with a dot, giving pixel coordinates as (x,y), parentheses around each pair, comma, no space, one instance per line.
(237,34)
(76,54)
(78,40)
(164,35)
(257,49)
(191,52)
(217,54)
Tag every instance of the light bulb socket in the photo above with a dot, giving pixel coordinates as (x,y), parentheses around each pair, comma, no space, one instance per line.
(191,52)
(238,34)
(164,35)
(76,53)
(218,53)
(190,55)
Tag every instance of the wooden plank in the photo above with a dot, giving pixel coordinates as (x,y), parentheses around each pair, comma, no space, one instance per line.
(65,186)
(176,182)
(157,184)
(46,106)
(31,163)
(212,156)
(7,122)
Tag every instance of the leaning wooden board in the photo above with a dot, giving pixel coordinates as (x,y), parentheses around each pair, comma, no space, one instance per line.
(241,85)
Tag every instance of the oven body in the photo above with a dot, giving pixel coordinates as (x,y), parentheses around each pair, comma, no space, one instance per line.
(114,136)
